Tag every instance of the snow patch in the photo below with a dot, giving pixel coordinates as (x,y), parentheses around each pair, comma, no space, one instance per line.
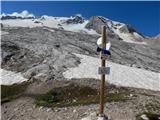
(129,38)
(114,26)
(120,75)
(9,78)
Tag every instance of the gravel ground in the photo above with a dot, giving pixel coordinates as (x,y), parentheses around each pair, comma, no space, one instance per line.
(24,107)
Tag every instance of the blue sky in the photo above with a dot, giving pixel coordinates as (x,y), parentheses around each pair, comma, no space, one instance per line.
(143,16)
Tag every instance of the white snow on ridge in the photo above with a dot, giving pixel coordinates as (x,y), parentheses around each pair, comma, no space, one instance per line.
(60,23)
(48,21)
(129,38)
(23,14)
(9,78)
(52,22)
(79,28)
(21,23)
(120,75)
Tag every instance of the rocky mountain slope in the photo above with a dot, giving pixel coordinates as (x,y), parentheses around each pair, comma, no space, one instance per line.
(47,52)
(117,30)
(154,42)
(44,53)
(76,23)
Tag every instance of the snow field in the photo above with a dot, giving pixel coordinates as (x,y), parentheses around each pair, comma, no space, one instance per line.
(120,75)
(9,78)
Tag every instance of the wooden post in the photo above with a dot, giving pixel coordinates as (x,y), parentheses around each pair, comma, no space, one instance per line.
(102,84)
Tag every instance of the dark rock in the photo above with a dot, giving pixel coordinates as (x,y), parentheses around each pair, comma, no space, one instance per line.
(75,20)
(61,28)
(37,22)
(1,25)
(96,23)
(59,25)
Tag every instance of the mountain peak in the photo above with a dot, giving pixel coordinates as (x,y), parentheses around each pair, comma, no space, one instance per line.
(122,31)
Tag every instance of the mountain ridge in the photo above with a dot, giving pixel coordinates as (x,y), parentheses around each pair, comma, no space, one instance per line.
(77,23)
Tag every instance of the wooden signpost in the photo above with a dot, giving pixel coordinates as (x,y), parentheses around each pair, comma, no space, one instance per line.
(101,71)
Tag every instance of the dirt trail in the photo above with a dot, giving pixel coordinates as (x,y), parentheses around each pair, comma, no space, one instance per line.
(24,107)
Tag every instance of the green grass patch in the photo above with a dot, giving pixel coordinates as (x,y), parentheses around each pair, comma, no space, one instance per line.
(117,97)
(74,94)
(10,92)
(149,115)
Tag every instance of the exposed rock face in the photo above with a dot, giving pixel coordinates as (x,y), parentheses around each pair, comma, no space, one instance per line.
(9,49)
(116,29)
(95,23)
(37,21)
(44,54)
(75,20)
(127,29)
(41,54)
(42,18)
(40,72)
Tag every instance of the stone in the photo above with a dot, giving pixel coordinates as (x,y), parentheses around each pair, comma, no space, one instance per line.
(40,108)
(74,110)
(74,100)
(131,95)
(144,117)
(49,109)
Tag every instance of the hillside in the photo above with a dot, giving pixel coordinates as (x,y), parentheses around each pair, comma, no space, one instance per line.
(48,52)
